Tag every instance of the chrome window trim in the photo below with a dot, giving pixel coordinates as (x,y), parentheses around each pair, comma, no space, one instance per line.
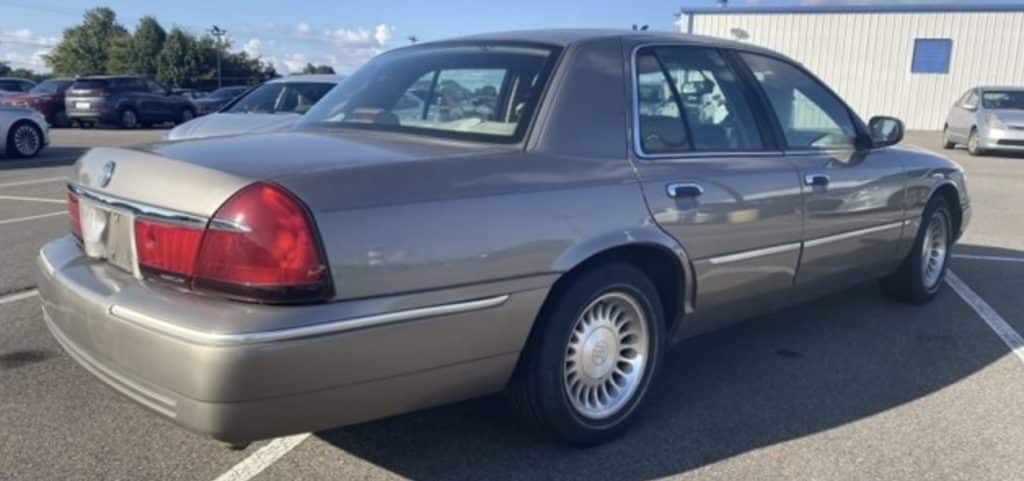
(638,149)
(852,234)
(138,208)
(753,254)
(218,339)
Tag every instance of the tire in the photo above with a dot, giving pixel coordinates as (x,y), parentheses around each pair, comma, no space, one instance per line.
(24,140)
(128,119)
(186,115)
(921,274)
(590,337)
(946,143)
(974,144)
(84,124)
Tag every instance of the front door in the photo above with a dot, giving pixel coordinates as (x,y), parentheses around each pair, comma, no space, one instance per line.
(715,181)
(853,197)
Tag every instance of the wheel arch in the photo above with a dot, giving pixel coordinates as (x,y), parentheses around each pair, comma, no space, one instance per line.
(655,253)
(951,193)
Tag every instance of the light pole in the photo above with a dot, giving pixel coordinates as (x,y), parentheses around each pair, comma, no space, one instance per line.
(218,33)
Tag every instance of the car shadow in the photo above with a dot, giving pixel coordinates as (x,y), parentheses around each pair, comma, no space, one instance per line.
(49,157)
(779,377)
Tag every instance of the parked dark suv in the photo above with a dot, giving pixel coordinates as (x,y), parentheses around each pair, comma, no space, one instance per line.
(47,97)
(125,101)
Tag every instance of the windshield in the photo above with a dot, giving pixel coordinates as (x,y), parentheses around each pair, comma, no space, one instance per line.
(225,93)
(51,86)
(1003,100)
(481,92)
(281,98)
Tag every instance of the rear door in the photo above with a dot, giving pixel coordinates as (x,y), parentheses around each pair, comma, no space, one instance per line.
(157,104)
(715,180)
(853,195)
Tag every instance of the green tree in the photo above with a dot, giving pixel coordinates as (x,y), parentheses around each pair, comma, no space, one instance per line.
(145,47)
(317,69)
(180,61)
(85,49)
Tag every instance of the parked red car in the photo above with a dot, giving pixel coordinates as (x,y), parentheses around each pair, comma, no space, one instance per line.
(47,97)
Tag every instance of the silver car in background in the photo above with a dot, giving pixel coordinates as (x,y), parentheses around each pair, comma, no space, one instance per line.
(275,104)
(537,227)
(987,119)
(23,132)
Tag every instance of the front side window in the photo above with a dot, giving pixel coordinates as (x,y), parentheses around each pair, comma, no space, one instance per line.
(281,98)
(811,117)
(689,98)
(483,92)
(997,100)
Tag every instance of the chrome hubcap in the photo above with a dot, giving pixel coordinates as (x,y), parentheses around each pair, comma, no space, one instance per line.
(972,143)
(933,253)
(26,140)
(606,355)
(128,118)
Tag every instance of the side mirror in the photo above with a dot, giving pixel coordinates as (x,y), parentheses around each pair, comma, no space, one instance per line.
(885,131)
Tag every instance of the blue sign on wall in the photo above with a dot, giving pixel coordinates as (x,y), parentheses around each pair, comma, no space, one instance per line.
(931,55)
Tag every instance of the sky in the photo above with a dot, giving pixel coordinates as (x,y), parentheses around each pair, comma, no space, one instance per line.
(346,33)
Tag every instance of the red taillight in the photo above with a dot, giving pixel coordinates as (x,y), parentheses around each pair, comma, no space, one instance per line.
(262,245)
(167,248)
(75,215)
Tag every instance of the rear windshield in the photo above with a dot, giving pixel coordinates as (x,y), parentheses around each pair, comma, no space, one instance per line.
(51,86)
(281,98)
(484,91)
(1003,100)
(89,84)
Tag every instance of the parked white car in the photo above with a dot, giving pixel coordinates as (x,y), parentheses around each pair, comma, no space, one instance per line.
(23,132)
(987,119)
(275,104)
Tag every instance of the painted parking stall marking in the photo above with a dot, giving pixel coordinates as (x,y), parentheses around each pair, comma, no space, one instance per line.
(32,182)
(18,296)
(31,217)
(249,467)
(32,199)
(1002,328)
(988,258)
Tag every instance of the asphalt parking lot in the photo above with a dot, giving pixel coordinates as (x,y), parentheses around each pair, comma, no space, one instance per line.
(850,387)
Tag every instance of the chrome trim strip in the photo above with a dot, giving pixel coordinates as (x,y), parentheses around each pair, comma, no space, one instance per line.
(746,255)
(334,327)
(851,234)
(138,208)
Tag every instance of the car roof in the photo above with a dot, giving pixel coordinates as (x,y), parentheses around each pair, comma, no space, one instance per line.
(565,37)
(322,78)
(988,88)
(16,78)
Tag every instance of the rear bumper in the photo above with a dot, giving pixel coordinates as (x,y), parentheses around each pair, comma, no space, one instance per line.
(248,385)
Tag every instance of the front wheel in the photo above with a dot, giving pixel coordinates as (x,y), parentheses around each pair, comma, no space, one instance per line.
(922,272)
(593,356)
(974,144)
(128,119)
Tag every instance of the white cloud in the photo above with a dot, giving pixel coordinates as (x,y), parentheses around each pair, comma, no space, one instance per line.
(288,47)
(22,48)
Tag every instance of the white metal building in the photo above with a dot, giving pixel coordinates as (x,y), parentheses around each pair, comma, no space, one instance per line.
(909,61)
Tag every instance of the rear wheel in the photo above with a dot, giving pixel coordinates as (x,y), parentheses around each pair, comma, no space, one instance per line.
(946,142)
(60,119)
(974,144)
(24,140)
(128,119)
(922,272)
(591,359)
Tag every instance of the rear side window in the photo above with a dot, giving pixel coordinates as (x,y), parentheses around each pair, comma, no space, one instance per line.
(811,117)
(690,99)
(90,84)
(281,97)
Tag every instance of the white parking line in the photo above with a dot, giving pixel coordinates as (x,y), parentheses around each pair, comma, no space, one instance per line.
(1002,329)
(18,296)
(32,199)
(31,217)
(32,182)
(989,258)
(249,467)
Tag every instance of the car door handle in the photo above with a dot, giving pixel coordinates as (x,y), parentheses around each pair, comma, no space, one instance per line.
(684,189)
(817,180)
